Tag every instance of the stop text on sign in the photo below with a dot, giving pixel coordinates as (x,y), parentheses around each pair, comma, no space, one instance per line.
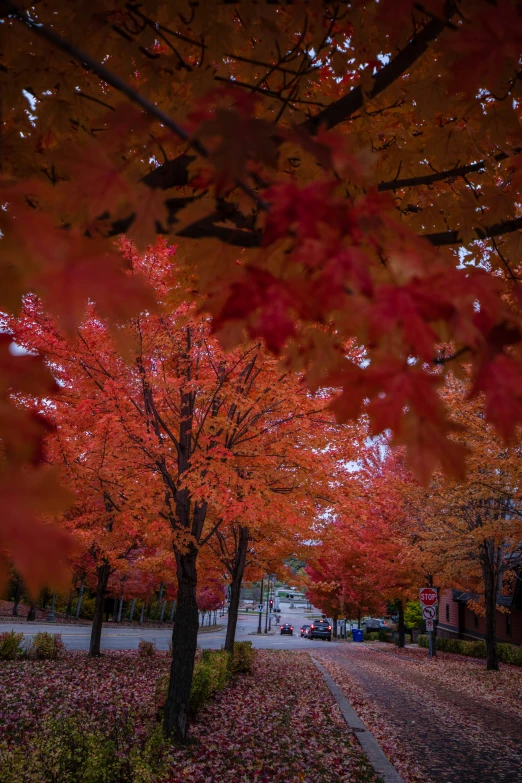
(428,596)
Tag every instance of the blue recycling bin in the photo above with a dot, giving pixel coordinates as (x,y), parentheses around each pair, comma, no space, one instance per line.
(357,635)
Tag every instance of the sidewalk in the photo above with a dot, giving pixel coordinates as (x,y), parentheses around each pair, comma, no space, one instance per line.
(440,721)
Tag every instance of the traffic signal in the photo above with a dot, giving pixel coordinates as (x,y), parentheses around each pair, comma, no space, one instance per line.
(271,604)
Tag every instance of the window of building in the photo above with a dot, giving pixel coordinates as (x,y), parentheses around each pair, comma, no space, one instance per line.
(447,612)
(508,624)
(475,617)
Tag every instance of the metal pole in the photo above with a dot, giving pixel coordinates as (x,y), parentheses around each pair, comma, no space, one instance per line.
(261,606)
(267,602)
(430,643)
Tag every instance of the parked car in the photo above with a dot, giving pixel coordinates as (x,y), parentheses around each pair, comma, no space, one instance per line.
(287,628)
(321,629)
(376,624)
(305,630)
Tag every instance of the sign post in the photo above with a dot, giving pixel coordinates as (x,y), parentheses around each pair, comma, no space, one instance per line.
(429,599)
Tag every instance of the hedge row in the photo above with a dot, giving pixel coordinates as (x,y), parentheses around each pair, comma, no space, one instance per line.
(508,653)
(44,646)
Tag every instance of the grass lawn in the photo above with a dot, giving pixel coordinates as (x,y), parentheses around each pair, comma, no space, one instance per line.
(79,719)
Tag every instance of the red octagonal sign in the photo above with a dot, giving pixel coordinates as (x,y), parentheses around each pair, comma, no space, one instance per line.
(428,596)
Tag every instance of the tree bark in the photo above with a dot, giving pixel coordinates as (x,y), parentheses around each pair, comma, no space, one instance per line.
(103,572)
(172,610)
(80,598)
(489,557)
(235,587)
(142,612)
(17,596)
(45,598)
(335,626)
(120,607)
(69,604)
(359,620)
(162,613)
(401,628)
(31,614)
(131,613)
(184,644)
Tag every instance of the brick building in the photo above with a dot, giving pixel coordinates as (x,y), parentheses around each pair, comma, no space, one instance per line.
(456,620)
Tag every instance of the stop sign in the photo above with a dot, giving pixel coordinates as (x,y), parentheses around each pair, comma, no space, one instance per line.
(428,596)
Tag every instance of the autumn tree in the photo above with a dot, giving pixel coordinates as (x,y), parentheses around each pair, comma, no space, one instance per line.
(194,433)
(468,533)
(331,171)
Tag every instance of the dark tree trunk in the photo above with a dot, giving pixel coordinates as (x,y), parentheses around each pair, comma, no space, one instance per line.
(172,610)
(235,587)
(31,614)
(131,613)
(489,556)
(149,606)
(69,604)
(335,626)
(120,606)
(45,598)
(162,613)
(17,596)
(80,598)
(359,620)
(401,628)
(103,572)
(184,644)
(142,612)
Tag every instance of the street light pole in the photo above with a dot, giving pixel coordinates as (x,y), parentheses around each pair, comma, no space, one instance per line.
(260,606)
(267,602)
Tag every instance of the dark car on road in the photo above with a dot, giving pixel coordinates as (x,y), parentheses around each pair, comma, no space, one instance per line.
(321,629)
(287,628)
(305,630)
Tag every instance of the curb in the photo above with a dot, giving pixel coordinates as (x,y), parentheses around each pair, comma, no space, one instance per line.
(376,756)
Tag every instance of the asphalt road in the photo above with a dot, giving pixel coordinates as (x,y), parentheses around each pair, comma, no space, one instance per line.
(76,637)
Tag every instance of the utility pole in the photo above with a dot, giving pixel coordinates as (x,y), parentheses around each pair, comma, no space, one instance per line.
(260,606)
(267,602)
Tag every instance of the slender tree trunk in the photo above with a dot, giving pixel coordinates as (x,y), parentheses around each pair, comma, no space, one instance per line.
(103,572)
(149,606)
(68,611)
(335,626)
(359,620)
(17,596)
(184,644)
(120,607)
(45,598)
(131,613)
(142,612)
(172,610)
(235,587)
(31,614)
(489,555)
(80,598)
(401,628)
(162,613)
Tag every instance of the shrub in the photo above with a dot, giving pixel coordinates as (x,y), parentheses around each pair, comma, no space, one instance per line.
(47,646)
(64,751)
(242,658)
(87,607)
(384,636)
(11,646)
(211,674)
(146,649)
(508,653)
(372,636)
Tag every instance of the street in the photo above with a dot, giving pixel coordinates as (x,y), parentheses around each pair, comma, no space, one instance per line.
(114,637)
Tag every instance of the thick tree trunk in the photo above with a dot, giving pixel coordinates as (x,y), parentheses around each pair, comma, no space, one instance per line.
(17,596)
(103,572)
(184,643)
(401,628)
(131,613)
(80,598)
(491,589)
(235,587)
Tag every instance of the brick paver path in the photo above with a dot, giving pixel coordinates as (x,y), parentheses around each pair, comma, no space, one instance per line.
(456,737)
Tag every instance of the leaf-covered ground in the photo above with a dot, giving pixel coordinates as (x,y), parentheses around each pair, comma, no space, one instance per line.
(280,724)
(439,721)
